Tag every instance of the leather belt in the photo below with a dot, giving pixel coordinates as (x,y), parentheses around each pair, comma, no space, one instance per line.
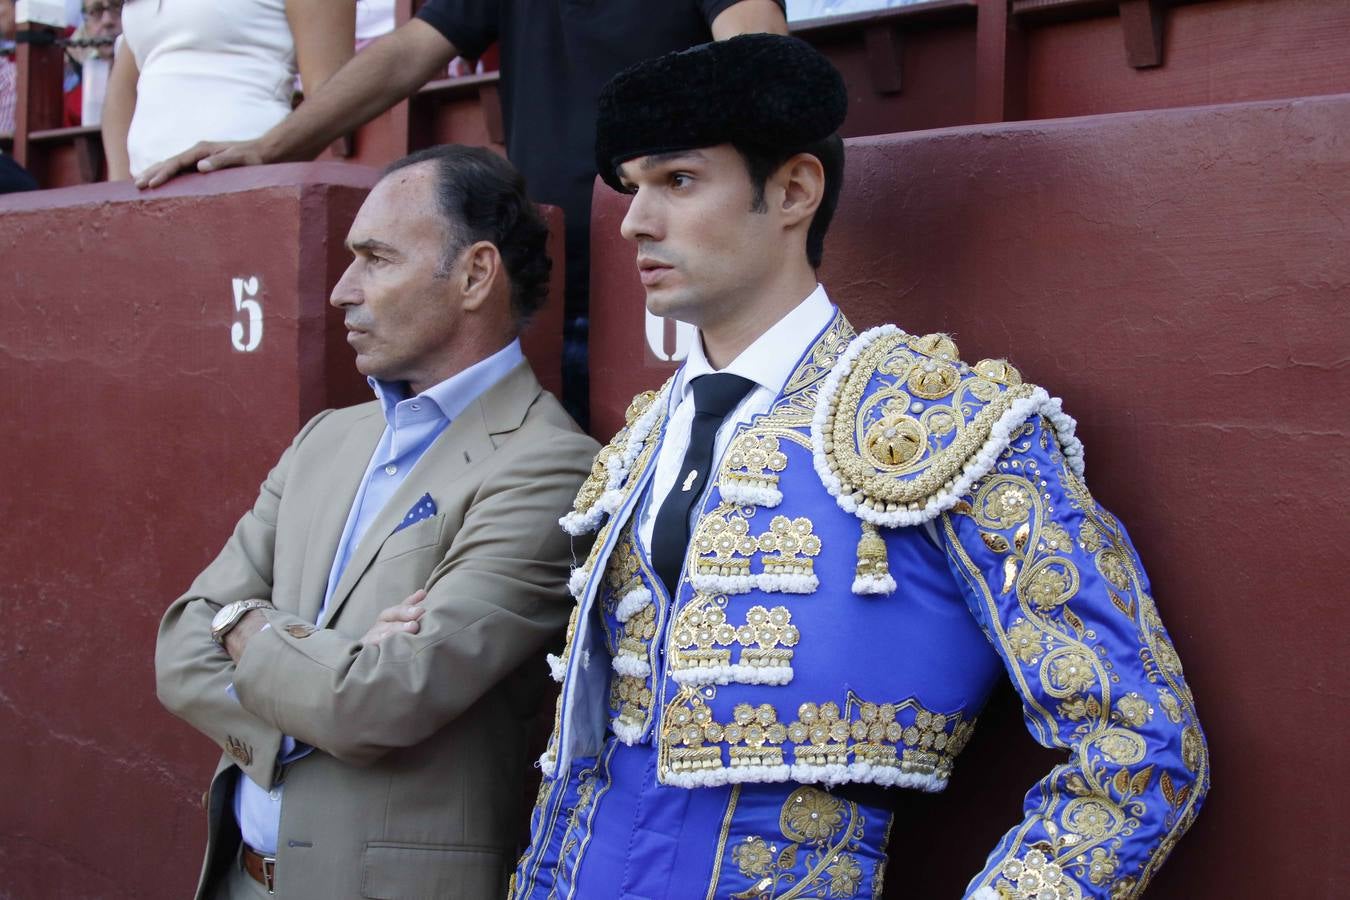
(262,869)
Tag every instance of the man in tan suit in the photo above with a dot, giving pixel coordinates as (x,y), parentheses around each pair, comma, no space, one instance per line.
(364,648)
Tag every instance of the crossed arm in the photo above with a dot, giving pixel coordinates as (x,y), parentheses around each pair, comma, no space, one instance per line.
(490,604)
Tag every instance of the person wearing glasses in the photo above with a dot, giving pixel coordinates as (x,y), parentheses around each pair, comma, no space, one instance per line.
(101,25)
(206,70)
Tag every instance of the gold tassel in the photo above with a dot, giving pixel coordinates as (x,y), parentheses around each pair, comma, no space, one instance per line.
(872,561)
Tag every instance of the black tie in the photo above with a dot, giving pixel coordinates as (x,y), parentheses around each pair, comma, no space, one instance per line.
(714,397)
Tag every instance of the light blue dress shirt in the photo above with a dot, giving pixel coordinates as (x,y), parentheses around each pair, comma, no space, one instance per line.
(412,426)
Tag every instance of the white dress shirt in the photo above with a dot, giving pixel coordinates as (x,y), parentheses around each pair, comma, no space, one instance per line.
(768,362)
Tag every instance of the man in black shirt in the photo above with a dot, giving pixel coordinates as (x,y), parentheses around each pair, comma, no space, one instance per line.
(555,58)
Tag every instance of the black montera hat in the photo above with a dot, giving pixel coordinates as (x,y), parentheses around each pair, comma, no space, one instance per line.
(755,91)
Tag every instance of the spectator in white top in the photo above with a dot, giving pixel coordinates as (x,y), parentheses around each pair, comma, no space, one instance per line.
(214,70)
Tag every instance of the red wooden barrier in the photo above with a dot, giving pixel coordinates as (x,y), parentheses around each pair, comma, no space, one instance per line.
(1182,279)
(141,408)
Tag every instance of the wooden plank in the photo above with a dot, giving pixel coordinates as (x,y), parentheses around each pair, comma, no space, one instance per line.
(1141,24)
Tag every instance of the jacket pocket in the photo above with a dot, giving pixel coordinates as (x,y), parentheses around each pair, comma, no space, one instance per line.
(425,533)
(396,871)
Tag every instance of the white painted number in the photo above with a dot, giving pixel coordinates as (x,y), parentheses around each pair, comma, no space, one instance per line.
(656,337)
(246,338)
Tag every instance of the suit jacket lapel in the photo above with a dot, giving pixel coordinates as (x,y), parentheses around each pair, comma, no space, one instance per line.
(469,438)
(332,507)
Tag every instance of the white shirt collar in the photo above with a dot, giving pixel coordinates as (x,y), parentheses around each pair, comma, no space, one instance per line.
(768,361)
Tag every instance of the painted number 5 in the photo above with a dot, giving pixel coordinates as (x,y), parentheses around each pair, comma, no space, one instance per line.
(247,337)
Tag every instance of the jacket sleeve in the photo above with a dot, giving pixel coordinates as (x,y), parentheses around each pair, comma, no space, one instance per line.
(193,675)
(1057,586)
(494,600)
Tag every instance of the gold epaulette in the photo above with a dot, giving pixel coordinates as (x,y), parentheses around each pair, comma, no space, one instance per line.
(903,427)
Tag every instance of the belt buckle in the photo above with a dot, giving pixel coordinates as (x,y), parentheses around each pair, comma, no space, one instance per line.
(269,870)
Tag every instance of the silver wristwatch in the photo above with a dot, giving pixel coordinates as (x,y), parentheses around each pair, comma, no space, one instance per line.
(229,616)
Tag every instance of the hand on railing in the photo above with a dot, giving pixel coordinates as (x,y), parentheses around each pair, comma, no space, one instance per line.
(204,156)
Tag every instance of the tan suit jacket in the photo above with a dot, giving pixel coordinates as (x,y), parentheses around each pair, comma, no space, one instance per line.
(414,787)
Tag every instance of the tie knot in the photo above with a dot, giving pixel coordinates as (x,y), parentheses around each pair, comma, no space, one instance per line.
(718,394)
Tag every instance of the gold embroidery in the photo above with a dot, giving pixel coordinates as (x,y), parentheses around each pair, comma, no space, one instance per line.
(788,546)
(872,559)
(998,370)
(723,548)
(933,380)
(904,737)
(821,357)
(891,448)
(1034,877)
(753,461)
(593,488)
(638,632)
(823,834)
(623,572)
(724,536)
(701,632)
(630,697)
(1091,809)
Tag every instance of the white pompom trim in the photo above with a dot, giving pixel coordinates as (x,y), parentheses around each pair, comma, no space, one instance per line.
(873,584)
(750,494)
(733,674)
(724,584)
(577,523)
(628,733)
(854,773)
(628,664)
(548,763)
(557,667)
(978,466)
(631,603)
(984,893)
(766,582)
(787,584)
(576,582)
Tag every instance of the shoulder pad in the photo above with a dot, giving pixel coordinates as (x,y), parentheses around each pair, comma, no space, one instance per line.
(599,493)
(903,428)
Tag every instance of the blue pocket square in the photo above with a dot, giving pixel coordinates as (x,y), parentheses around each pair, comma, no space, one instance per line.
(424,508)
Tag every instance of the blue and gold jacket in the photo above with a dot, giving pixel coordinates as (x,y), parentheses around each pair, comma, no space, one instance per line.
(898,531)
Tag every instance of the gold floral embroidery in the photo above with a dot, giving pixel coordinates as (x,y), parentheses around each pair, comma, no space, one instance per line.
(724,548)
(899,444)
(623,571)
(903,737)
(630,698)
(818,859)
(1093,809)
(638,632)
(821,357)
(1034,877)
(788,546)
(753,460)
(701,632)
(722,543)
